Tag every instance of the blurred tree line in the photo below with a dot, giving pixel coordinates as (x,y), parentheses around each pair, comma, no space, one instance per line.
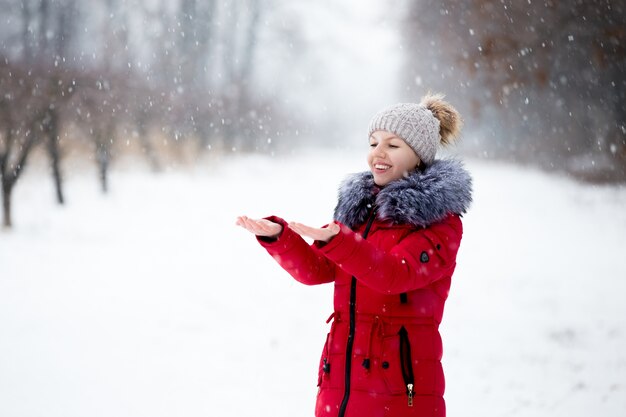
(539,81)
(161,74)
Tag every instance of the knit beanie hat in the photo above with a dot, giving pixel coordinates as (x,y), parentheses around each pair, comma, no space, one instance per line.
(422,126)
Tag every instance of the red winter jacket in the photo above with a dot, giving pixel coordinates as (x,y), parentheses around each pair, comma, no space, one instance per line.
(392,264)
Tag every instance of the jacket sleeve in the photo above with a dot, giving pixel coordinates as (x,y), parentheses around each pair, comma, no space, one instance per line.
(421,258)
(302,261)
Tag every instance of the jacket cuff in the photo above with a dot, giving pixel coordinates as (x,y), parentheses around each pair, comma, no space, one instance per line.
(335,243)
(283,242)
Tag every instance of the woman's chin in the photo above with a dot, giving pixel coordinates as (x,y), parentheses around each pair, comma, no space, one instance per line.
(385,178)
(380,181)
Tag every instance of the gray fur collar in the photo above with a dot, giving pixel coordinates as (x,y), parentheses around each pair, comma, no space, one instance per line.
(420,199)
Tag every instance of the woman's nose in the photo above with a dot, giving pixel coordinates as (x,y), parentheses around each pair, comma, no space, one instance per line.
(378,151)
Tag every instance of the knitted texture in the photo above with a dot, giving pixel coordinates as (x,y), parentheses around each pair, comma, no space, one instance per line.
(414,123)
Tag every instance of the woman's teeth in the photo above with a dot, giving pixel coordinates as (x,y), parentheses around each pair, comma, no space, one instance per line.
(381,166)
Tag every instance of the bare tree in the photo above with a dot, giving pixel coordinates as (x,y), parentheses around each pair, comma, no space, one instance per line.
(196,22)
(103,94)
(17,138)
(182,68)
(553,73)
(98,110)
(26,111)
(240,44)
(49,53)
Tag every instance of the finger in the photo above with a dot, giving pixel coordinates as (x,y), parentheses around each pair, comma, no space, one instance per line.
(296,227)
(252,225)
(267,228)
(307,229)
(264,227)
(243,221)
(248,228)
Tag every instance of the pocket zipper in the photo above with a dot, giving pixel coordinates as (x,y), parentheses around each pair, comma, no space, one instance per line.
(406,364)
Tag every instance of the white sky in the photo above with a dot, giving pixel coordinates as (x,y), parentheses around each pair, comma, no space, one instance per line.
(350,69)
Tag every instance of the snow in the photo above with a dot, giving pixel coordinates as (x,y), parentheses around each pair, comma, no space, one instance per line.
(151,302)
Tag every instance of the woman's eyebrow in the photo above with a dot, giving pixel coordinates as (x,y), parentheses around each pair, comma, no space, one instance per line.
(388,138)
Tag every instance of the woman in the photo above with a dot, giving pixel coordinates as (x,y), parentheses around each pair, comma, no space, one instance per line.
(391,252)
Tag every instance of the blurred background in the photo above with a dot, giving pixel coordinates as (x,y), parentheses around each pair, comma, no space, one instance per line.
(170,82)
(133,132)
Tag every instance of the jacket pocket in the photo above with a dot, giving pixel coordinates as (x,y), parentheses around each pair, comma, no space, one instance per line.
(428,378)
(397,365)
(390,364)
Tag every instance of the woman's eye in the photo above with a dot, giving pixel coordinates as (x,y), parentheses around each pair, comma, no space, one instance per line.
(394,146)
(372,145)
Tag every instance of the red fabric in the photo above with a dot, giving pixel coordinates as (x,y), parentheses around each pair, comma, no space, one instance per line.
(393,259)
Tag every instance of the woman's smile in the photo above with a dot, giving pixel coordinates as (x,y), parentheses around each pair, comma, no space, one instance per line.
(390,158)
(381,167)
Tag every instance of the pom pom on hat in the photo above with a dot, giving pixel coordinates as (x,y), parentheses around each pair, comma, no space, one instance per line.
(422,126)
(450,122)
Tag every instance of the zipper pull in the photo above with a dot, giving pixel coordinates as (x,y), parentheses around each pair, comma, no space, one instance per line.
(410,394)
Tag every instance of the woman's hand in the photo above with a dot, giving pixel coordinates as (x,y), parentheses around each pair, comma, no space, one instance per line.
(324,234)
(261,227)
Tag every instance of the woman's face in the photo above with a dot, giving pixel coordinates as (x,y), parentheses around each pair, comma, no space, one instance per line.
(390,158)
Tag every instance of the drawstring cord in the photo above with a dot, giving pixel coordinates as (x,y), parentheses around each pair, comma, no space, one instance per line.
(332,316)
(335,317)
(377,328)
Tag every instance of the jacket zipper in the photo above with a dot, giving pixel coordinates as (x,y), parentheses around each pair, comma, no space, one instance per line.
(407,364)
(346,395)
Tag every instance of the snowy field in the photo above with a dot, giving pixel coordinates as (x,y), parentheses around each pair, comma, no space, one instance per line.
(149,302)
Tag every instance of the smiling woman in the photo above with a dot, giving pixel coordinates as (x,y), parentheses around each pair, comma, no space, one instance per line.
(391,252)
(390,157)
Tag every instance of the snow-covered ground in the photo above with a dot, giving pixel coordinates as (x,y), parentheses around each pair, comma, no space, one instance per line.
(150,302)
